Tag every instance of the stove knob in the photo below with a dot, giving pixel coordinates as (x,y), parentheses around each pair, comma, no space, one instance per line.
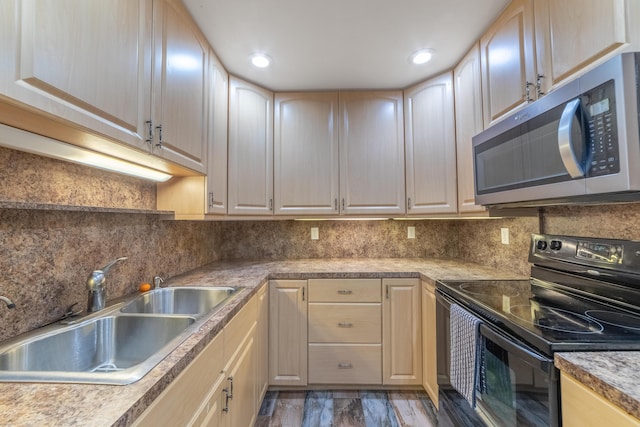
(541,245)
(555,245)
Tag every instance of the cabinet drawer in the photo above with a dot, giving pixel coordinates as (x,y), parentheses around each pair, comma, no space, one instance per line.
(345,290)
(345,364)
(345,323)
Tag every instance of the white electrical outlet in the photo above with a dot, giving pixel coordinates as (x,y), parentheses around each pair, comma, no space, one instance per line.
(411,232)
(504,236)
(315,235)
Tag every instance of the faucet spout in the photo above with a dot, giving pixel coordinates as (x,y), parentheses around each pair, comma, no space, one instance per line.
(95,286)
(8,302)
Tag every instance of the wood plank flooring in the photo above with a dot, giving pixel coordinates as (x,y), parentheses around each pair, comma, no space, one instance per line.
(346,409)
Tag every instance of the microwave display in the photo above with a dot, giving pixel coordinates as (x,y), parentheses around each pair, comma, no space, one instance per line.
(599,107)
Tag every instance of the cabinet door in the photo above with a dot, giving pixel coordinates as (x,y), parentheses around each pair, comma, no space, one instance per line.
(429,351)
(401,336)
(241,385)
(262,345)
(431,147)
(180,86)
(508,64)
(573,34)
(306,153)
(371,153)
(250,149)
(468,107)
(217,153)
(288,332)
(87,62)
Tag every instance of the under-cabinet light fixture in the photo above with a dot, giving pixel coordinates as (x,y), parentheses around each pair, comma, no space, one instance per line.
(21,140)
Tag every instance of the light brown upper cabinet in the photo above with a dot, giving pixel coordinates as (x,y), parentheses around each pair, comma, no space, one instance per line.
(216,192)
(371,153)
(468,107)
(50,62)
(430,147)
(573,34)
(306,178)
(250,149)
(508,61)
(55,81)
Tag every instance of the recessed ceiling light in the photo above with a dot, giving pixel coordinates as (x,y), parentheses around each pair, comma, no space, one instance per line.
(421,56)
(260,60)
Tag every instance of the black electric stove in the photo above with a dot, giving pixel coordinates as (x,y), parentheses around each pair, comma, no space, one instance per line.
(583,295)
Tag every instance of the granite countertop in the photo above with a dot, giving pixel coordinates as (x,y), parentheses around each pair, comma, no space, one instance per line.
(49,404)
(612,374)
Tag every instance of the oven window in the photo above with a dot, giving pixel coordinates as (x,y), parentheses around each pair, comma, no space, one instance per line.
(511,392)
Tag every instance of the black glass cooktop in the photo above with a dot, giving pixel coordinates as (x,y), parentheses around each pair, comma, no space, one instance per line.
(547,317)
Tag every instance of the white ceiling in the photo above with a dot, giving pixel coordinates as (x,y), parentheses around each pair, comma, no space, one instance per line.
(341,44)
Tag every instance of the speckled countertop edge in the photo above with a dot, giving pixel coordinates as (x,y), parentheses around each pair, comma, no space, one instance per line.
(48,404)
(612,374)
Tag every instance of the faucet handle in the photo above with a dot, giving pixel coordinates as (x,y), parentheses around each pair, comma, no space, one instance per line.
(157,280)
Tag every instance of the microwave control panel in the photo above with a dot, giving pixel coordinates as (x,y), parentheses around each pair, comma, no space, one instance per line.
(602,133)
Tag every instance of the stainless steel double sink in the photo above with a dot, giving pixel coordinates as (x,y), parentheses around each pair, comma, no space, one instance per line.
(117,345)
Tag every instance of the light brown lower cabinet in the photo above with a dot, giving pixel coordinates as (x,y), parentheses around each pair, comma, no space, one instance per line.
(429,342)
(583,407)
(222,386)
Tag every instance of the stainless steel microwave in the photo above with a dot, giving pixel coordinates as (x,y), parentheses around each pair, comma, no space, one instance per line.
(580,143)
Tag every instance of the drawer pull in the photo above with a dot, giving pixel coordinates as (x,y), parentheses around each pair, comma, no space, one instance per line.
(345,291)
(345,325)
(345,366)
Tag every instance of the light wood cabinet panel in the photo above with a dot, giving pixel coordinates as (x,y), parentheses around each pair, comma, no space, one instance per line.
(345,290)
(87,62)
(181,400)
(429,342)
(468,110)
(582,407)
(242,385)
(288,332)
(572,34)
(345,323)
(430,147)
(345,364)
(262,345)
(216,192)
(250,149)
(371,153)
(508,61)
(306,154)
(180,86)
(401,335)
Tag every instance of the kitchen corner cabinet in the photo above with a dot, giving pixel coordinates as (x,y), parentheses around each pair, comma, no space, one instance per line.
(219,387)
(306,153)
(250,149)
(583,407)
(430,147)
(573,34)
(401,332)
(507,56)
(372,153)
(288,332)
(429,342)
(468,119)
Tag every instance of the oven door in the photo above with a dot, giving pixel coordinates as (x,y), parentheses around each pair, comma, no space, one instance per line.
(519,388)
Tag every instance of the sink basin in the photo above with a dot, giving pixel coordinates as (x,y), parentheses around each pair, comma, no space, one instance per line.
(180,300)
(111,349)
(117,345)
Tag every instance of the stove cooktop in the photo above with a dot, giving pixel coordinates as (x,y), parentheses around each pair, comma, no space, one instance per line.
(548,318)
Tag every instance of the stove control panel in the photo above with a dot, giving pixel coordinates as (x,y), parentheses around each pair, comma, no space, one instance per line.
(587,251)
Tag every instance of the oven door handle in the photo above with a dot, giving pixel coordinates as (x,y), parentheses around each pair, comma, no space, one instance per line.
(513,346)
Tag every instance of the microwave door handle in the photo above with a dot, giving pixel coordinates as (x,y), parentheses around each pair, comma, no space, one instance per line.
(565,142)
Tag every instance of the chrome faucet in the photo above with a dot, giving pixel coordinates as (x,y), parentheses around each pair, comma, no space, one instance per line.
(157,280)
(8,302)
(95,285)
